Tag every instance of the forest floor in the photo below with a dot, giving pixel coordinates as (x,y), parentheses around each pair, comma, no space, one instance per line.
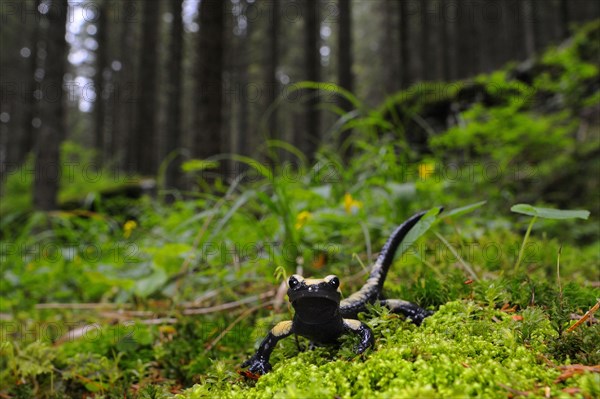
(147,299)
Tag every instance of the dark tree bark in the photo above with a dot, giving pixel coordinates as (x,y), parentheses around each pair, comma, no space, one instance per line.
(146,151)
(123,143)
(173,115)
(515,42)
(491,36)
(469,18)
(427,65)
(99,84)
(390,57)
(207,123)
(404,30)
(312,136)
(52,130)
(528,27)
(448,43)
(238,61)
(564,19)
(345,78)
(29,130)
(271,69)
(18,62)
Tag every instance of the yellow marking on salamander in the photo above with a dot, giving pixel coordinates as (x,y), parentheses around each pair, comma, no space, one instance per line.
(282,328)
(352,324)
(313,281)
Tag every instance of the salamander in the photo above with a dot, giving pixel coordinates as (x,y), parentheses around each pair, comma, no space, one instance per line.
(322,316)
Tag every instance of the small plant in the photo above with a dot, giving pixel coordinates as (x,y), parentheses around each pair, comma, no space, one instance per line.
(546,213)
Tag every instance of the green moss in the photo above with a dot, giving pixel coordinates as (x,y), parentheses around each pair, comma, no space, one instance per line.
(464,349)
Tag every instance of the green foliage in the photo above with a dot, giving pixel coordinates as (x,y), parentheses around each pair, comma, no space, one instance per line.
(549,213)
(458,351)
(230,241)
(570,70)
(78,173)
(546,213)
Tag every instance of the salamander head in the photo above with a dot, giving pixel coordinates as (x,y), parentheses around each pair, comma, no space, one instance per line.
(314,300)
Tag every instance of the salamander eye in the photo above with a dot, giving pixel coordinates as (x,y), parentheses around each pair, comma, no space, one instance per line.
(334,282)
(293,282)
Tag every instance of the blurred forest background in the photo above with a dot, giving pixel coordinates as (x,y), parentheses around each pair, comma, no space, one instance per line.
(166,164)
(151,84)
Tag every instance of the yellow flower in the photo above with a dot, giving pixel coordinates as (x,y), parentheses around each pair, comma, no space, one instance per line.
(351,205)
(166,329)
(302,218)
(128,227)
(426,170)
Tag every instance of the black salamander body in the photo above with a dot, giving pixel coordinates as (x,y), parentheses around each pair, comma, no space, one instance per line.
(321,315)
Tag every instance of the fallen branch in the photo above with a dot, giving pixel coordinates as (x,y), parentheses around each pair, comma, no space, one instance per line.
(586,316)
(81,305)
(574,369)
(230,305)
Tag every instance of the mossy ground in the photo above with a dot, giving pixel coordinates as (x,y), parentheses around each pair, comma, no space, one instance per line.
(463,350)
(501,333)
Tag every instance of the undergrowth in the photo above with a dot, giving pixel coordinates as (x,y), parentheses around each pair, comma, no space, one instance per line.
(111,296)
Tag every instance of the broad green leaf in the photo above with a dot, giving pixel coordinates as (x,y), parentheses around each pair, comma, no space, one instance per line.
(465,209)
(273,143)
(419,229)
(328,88)
(262,170)
(196,165)
(549,213)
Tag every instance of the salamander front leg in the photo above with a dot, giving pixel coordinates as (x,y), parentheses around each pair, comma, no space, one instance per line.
(259,362)
(414,312)
(364,332)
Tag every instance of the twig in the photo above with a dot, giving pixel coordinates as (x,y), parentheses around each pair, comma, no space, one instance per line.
(585,317)
(464,264)
(230,305)
(161,320)
(575,316)
(512,390)
(80,305)
(200,299)
(236,321)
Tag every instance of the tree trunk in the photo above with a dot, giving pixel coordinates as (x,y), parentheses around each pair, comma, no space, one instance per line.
(123,143)
(404,30)
(312,136)
(390,57)
(467,46)
(528,27)
(271,69)
(564,19)
(448,39)
(207,124)
(101,64)
(345,78)
(173,114)
(29,130)
(145,139)
(52,130)
(427,65)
